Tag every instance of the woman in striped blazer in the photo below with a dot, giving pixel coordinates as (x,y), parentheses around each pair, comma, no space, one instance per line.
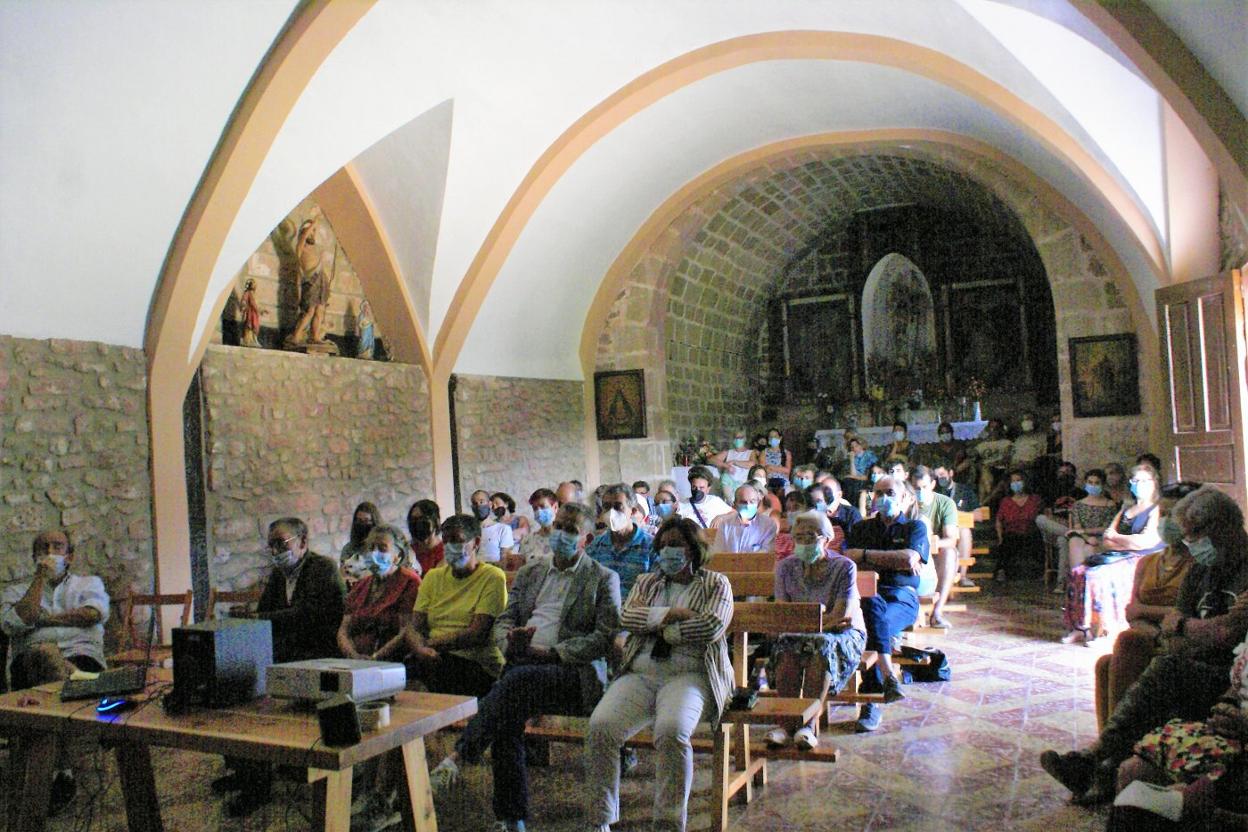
(674,674)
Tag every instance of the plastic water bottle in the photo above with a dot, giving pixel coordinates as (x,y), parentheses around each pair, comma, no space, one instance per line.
(762,679)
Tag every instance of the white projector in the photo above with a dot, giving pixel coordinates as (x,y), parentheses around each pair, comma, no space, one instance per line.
(318,679)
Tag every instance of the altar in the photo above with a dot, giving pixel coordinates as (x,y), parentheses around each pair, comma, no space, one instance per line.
(881,435)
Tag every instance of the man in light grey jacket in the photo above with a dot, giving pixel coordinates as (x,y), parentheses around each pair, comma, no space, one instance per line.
(562,615)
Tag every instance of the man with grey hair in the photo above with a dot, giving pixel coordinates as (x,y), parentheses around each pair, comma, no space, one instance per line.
(744,529)
(561,618)
(569,492)
(625,547)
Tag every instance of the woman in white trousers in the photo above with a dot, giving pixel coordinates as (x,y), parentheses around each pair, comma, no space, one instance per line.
(674,674)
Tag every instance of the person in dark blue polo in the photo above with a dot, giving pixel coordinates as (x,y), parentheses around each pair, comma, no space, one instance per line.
(892,543)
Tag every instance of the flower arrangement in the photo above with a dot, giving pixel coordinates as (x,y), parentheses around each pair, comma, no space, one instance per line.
(694,451)
(975,388)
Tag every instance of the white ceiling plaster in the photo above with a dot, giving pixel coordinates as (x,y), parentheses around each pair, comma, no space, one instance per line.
(1217,33)
(544,290)
(108,114)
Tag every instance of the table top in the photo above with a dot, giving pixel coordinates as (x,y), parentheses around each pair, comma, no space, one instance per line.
(270,730)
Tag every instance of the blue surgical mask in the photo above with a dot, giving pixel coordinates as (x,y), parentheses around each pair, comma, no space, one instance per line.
(1202,550)
(887,506)
(738,443)
(774,441)
(545,516)
(284,560)
(563,543)
(457,554)
(806,552)
(875,476)
(1134,488)
(821,506)
(1017,486)
(664,510)
(1093,490)
(945,436)
(482,511)
(899,435)
(803,482)
(379,563)
(1171,532)
(671,560)
(747,511)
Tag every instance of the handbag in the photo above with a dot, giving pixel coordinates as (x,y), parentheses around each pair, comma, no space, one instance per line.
(935,669)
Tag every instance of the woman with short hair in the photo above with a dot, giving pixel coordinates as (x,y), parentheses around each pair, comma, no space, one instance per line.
(380,603)
(1019,544)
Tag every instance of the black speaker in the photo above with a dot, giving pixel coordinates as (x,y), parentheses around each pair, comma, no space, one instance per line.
(219,663)
(340,724)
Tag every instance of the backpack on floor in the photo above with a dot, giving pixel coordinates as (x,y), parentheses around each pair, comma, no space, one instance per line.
(935,670)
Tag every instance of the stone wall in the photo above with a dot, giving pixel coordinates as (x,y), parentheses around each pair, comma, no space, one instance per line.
(74,456)
(1232,234)
(288,434)
(518,434)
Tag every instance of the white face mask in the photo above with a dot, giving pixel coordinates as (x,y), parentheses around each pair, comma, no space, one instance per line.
(1028,426)
(899,435)
(59,565)
(618,521)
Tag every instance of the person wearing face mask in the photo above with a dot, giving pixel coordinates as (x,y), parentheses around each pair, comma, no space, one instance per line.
(1098,589)
(497,538)
(900,448)
(1030,444)
(946,450)
(503,510)
(992,457)
(841,513)
(820,664)
(893,543)
(536,544)
(771,503)
(1116,483)
(663,506)
(625,547)
(304,599)
(380,603)
(779,461)
(1054,522)
(1020,548)
(641,494)
(803,477)
(674,673)
(561,618)
(734,462)
(365,517)
(1198,637)
(423,519)
(451,650)
(942,522)
(703,506)
(965,498)
(746,529)
(867,494)
(859,462)
(795,503)
(1158,578)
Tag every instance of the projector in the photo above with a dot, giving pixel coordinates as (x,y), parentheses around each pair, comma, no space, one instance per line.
(318,679)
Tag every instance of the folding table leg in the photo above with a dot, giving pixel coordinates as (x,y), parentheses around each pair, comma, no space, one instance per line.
(138,786)
(34,760)
(331,800)
(416,793)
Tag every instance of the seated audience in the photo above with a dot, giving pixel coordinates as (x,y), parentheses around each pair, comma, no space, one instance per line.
(1098,589)
(900,449)
(1189,674)
(303,599)
(458,602)
(734,463)
(865,496)
(362,521)
(941,516)
(892,543)
(746,529)
(55,625)
(814,665)
(503,507)
(803,477)
(624,547)
(664,506)
(778,460)
(675,673)
(1147,458)
(795,503)
(536,544)
(964,496)
(1156,588)
(641,493)
(1089,518)
(497,539)
(861,462)
(992,454)
(1020,549)
(945,451)
(380,605)
(423,520)
(1056,522)
(843,515)
(703,506)
(1116,483)
(570,491)
(561,618)
(770,501)
(479,500)
(1030,444)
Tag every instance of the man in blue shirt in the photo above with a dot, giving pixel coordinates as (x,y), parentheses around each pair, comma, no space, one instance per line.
(892,543)
(625,547)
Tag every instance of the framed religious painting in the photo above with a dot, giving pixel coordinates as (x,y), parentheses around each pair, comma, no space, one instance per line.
(620,404)
(1105,375)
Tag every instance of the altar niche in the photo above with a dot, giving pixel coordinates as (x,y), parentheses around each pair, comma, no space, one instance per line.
(898,326)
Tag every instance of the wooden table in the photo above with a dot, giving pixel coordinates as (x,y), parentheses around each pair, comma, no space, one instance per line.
(266,730)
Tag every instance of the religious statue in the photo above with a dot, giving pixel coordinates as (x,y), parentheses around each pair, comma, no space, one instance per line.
(314,285)
(250,313)
(365,326)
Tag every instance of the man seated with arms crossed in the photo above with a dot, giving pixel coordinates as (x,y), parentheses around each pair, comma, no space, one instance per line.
(942,522)
(56,626)
(449,634)
(703,506)
(561,617)
(304,599)
(893,543)
(744,530)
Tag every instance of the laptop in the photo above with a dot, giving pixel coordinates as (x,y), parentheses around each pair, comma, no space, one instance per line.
(118,681)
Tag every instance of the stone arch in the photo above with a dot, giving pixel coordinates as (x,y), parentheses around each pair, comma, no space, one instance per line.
(758,210)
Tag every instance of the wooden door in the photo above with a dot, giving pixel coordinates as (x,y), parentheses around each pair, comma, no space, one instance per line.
(1201,324)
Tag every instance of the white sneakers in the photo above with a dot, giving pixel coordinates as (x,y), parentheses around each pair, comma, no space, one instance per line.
(444,776)
(777,738)
(804,738)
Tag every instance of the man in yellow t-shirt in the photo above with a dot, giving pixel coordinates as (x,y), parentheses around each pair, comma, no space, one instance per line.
(449,634)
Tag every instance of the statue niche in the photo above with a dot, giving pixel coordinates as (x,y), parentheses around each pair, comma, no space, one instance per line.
(898,328)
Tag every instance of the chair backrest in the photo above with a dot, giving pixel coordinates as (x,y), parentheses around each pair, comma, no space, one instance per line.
(742,562)
(763,584)
(130,633)
(246,597)
(769,618)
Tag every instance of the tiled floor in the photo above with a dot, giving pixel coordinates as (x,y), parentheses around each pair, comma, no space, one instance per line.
(955,756)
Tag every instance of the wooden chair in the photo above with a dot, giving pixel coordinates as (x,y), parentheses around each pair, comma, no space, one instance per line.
(248,598)
(742,562)
(133,649)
